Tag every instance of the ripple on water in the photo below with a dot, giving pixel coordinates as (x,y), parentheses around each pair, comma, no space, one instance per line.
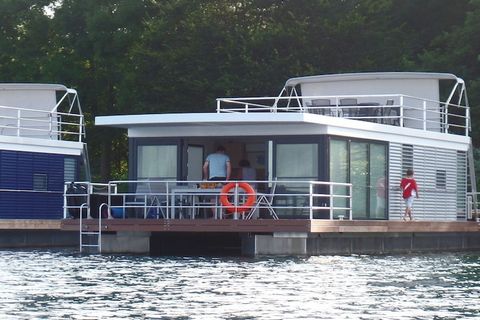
(60,284)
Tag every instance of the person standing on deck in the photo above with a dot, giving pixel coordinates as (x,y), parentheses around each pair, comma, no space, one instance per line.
(217,166)
(409,193)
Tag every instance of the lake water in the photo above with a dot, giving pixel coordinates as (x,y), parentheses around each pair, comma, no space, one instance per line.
(45,284)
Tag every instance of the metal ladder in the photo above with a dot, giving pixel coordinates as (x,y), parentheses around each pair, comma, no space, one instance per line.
(87,234)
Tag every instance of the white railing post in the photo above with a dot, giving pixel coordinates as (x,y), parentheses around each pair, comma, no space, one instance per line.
(167,196)
(50,125)
(401,111)
(19,115)
(311,200)
(350,200)
(80,130)
(424,115)
(65,210)
(467,120)
(218,105)
(235,202)
(331,201)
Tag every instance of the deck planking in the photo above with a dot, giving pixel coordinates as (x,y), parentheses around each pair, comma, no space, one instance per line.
(252,226)
(271,226)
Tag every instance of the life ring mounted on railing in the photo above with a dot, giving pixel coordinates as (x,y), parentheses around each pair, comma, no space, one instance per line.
(249,192)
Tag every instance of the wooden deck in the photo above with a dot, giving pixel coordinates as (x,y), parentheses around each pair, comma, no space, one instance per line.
(270,226)
(252,226)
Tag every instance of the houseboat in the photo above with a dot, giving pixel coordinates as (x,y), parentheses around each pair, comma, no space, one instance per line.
(328,153)
(41,147)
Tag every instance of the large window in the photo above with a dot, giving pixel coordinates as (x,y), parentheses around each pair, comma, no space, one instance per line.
(297,161)
(364,165)
(157,162)
(294,162)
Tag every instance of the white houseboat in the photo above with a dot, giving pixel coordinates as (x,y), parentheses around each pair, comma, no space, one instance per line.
(329,149)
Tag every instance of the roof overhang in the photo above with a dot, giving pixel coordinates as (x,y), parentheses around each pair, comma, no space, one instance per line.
(218,125)
(371,76)
(32,86)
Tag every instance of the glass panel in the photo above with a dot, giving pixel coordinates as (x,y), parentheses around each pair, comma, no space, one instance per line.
(378,190)
(69,169)
(194,163)
(359,178)
(298,162)
(339,173)
(40,182)
(157,162)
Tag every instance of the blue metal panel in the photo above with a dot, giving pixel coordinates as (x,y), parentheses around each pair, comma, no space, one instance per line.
(16,173)
(8,170)
(24,171)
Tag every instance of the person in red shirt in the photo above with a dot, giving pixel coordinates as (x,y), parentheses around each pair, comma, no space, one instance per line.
(410,192)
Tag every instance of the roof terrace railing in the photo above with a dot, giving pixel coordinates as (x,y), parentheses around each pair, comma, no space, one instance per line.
(149,199)
(45,124)
(23,122)
(389,109)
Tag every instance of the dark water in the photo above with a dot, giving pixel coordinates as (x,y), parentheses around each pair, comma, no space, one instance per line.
(65,285)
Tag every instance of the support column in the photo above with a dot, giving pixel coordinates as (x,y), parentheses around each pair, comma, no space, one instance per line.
(280,243)
(126,242)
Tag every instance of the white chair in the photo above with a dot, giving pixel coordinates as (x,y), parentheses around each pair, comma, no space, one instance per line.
(265,200)
(149,199)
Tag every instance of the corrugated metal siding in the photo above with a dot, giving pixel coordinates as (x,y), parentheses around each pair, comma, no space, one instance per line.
(16,173)
(434,203)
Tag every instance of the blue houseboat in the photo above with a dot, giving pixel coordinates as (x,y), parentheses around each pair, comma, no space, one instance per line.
(41,147)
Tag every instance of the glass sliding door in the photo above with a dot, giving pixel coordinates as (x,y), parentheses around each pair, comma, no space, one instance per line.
(339,172)
(359,178)
(295,162)
(364,165)
(378,190)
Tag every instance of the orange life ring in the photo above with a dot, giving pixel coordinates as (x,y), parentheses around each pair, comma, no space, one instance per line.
(249,191)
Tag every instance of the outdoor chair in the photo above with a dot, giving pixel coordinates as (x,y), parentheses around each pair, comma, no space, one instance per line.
(319,106)
(392,114)
(264,200)
(349,112)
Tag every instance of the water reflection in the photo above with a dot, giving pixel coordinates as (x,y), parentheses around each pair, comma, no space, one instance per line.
(59,285)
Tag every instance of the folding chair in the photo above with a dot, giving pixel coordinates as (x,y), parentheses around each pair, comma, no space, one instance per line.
(265,200)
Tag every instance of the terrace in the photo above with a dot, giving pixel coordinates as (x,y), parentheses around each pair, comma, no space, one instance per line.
(393,109)
(50,112)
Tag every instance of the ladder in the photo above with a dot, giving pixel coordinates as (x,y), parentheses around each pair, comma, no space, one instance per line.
(91,238)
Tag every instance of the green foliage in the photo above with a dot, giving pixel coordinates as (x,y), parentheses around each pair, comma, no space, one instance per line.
(152,56)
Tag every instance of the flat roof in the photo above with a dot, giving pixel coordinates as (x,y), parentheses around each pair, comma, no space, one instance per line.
(32,86)
(128,121)
(371,76)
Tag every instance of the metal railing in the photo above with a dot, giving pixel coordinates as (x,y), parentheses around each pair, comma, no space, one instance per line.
(23,122)
(473,207)
(147,199)
(392,109)
(80,196)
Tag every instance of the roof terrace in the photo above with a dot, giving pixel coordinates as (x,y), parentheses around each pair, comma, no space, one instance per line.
(410,100)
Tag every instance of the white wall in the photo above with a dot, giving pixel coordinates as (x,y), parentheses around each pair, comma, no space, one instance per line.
(424,88)
(38,99)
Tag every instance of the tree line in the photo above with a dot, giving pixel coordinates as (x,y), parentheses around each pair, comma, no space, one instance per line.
(152,56)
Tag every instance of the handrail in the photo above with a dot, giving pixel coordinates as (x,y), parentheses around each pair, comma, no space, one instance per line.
(408,111)
(28,122)
(174,199)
